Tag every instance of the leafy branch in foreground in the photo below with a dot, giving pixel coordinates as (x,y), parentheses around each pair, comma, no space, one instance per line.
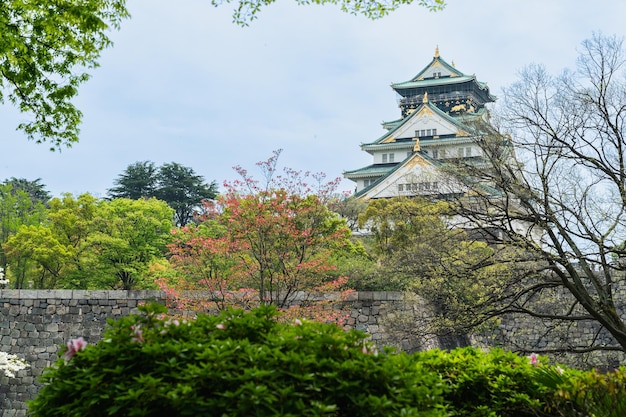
(44,51)
(247,10)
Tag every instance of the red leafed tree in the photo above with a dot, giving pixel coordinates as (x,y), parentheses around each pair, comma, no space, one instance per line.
(267,244)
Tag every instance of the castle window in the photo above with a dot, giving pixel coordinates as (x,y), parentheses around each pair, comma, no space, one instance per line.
(468,151)
(435,153)
(384,158)
(428,132)
(391,157)
(434,132)
(400,187)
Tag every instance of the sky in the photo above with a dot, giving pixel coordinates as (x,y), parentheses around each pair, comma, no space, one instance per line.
(184,84)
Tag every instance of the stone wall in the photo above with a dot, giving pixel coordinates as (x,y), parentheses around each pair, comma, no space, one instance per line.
(34,323)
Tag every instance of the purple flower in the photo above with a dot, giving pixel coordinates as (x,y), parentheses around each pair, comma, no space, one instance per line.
(73,346)
(534,359)
(221,326)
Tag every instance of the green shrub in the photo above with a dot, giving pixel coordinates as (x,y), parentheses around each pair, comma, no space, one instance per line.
(234,364)
(486,383)
(584,393)
(249,364)
(498,383)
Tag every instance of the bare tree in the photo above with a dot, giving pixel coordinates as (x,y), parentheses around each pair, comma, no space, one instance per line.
(560,204)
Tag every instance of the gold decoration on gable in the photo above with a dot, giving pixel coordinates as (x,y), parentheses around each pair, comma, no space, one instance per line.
(426,110)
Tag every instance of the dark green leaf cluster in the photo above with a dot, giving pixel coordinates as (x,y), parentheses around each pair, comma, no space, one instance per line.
(250,364)
(179,186)
(501,383)
(235,364)
(44,48)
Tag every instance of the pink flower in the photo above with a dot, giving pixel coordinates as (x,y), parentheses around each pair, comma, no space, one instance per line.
(534,359)
(221,326)
(138,334)
(73,346)
(297,322)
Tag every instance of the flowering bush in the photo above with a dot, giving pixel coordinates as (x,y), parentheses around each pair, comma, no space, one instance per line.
(251,364)
(234,364)
(10,364)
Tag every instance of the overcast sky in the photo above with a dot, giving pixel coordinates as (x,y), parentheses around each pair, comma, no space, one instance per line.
(184,84)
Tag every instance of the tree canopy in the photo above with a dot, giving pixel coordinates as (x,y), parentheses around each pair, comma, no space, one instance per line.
(85,243)
(179,186)
(45,50)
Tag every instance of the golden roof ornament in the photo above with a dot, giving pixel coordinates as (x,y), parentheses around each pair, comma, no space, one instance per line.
(425,99)
(437,52)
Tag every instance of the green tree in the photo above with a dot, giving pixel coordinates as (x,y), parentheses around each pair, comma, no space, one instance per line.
(183,190)
(86,243)
(17,208)
(128,235)
(139,180)
(421,249)
(267,241)
(37,257)
(50,254)
(35,189)
(45,49)
(179,186)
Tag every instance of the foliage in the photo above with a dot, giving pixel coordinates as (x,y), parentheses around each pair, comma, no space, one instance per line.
(421,249)
(45,49)
(183,190)
(487,383)
(582,393)
(250,363)
(139,180)
(247,10)
(348,207)
(235,364)
(177,185)
(89,243)
(17,208)
(560,202)
(269,243)
(34,189)
(128,235)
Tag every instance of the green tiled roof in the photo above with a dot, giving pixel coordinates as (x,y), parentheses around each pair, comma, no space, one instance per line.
(371,170)
(435,81)
(434,108)
(443,63)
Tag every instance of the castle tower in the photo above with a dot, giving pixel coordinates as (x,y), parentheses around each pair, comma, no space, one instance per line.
(436,106)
